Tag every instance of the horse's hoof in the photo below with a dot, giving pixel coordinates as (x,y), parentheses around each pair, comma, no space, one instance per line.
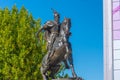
(78,78)
(75,76)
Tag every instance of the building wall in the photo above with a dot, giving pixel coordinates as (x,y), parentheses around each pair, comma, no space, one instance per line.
(116,38)
(111,39)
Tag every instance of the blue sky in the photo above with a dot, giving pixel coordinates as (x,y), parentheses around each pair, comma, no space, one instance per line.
(87,30)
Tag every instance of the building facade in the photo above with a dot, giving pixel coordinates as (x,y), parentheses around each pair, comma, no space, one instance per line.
(111,39)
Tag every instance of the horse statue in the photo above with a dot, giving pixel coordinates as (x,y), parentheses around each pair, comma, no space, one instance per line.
(62,52)
(59,48)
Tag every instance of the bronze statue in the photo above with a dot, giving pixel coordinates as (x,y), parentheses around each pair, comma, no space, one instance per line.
(58,46)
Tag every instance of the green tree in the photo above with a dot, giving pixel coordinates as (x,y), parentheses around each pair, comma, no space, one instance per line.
(20,53)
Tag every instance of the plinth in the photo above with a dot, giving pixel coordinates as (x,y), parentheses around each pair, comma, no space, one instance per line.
(68,79)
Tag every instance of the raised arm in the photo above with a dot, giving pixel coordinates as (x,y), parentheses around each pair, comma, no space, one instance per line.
(56,16)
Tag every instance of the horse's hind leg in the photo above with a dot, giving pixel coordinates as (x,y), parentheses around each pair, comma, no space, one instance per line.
(70,59)
(44,74)
(73,71)
(66,64)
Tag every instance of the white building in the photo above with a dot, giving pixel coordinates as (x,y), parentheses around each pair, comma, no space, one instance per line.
(111,39)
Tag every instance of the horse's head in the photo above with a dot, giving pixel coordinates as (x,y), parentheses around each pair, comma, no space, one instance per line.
(67,25)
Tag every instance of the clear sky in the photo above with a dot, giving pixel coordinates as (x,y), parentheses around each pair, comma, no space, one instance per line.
(87,30)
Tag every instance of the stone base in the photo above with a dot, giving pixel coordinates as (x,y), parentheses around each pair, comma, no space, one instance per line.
(68,79)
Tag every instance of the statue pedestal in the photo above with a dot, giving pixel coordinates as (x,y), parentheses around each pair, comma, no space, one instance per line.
(64,79)
(68,79)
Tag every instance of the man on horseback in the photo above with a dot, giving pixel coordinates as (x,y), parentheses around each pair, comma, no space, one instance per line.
(57,37)
(53,28)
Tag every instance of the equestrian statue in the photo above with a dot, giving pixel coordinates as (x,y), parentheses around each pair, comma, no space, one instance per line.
(59,48)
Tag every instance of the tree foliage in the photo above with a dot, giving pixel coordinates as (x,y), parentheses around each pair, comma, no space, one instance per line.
(20,54)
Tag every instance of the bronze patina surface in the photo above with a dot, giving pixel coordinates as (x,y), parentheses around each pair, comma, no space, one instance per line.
(59,48)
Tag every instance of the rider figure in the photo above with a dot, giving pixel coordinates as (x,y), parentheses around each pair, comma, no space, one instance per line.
(54,33)
(53,27)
